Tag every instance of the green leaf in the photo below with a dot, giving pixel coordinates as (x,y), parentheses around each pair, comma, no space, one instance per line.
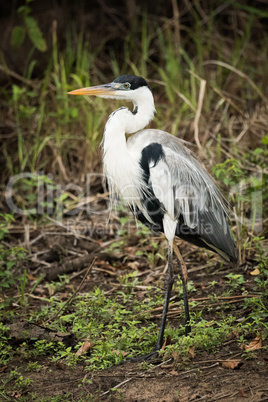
(3,232)
(259,151)
(74,112)
(265,140)
(17,91)
(35,34)
(5,284)
(10,264)
(62,197)
(17,36)
(24,10)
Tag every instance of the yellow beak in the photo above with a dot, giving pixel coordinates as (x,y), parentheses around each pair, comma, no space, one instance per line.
(99,90)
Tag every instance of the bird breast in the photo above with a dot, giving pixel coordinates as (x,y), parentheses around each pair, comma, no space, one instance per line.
(124,175)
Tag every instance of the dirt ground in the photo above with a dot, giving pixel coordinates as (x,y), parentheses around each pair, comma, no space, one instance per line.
(203,377)
(204,380)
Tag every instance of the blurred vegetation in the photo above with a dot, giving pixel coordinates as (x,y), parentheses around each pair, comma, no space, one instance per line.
(205,61)
(222,45)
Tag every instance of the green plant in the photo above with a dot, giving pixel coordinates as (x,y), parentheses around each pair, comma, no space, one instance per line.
(205,336)
(5,349)
(249,355)
(229,172)
(178,287)
(54,287)
(235,280)
(43,347)
(20,381)
(213,283)
(129,280)
(10,258)
(34,367)
(30,27)
(257,318)
(5,221)
(261,256)
(23,282)
(65,353)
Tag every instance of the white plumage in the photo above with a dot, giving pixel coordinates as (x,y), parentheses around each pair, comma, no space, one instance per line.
(161,181)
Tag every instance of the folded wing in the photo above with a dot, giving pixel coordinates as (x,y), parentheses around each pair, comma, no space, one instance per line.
(177,185)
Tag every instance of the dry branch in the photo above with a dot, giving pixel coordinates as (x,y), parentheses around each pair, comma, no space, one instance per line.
(27,331)
(69,266)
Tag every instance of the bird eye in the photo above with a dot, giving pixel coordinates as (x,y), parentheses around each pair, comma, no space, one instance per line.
(126,85)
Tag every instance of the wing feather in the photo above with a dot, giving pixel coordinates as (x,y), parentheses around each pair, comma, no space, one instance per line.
(186,192)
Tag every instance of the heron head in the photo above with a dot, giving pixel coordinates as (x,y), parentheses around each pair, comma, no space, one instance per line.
(126,87)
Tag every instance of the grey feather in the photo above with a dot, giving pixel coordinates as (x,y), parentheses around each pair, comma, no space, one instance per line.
(187,191)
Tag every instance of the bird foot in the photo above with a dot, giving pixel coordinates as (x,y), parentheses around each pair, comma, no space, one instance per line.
(152,358)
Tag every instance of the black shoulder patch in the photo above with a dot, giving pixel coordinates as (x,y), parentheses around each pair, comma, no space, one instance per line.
(135,111)
(152,153)
(135,82)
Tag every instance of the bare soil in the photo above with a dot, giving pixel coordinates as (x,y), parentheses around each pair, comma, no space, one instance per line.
(203,380)
(203,377)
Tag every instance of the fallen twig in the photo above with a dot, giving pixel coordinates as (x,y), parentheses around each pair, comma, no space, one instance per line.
(68,266)
(117,386)
(18,77)
(178,311)
(138,375)
(73,295)
(133,378)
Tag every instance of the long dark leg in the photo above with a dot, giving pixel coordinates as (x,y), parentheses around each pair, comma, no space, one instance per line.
(169,280)
(184,278)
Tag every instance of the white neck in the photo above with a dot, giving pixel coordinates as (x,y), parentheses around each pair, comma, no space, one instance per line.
(124,121)
(118,163)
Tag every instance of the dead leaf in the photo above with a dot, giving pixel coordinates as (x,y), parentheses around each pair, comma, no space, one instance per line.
(134,265)
(120,352)
(231,364)
(176,357)
(61,365)
(255,272)
(167,342)
(255,344)
(191,352)
(15,394)
(221,282)
(149,278)
(2,369)
(236,334)
(140,295)
(64,296)
(84,348)
(200,286)
(173,372)
(242,393)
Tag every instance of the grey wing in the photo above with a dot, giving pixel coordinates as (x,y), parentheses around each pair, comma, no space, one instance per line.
(187,193)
